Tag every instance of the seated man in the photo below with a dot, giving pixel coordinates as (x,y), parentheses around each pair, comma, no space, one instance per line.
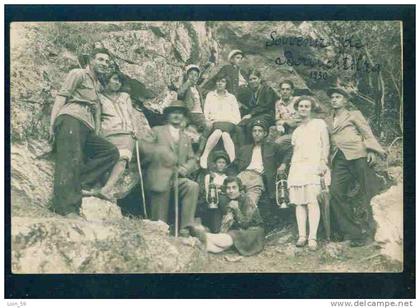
(172,154)
(259,106)
(259,163)
(285,113)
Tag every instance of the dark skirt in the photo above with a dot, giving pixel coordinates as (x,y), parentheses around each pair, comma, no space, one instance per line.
(249,241)
(224,127)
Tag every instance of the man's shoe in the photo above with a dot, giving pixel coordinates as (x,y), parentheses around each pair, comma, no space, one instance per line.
(103,195)
(184,232)
(335,237)
(357,243)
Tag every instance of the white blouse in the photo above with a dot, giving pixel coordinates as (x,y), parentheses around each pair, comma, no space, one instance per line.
(222,108)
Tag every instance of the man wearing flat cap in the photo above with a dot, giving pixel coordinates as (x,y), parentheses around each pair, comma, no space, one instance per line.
(354,151)
(259,162)
(172,151)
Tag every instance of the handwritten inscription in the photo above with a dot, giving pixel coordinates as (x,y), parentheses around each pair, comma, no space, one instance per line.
(341,62)
(318,43)
(349,55)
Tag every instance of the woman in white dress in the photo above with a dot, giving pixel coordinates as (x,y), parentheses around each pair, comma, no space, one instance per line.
(309,162)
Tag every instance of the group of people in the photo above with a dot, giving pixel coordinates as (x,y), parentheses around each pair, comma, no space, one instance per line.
(93,131)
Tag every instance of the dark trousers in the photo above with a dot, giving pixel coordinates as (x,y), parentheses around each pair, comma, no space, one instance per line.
(82,158)
(188,196)
(345,173)
(210,218)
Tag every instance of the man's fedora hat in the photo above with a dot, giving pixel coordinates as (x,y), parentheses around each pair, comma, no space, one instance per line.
(176,105)
(341,91)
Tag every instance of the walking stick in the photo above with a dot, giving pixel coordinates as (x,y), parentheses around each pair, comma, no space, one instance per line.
(176,201)
(141,179)
(176,190)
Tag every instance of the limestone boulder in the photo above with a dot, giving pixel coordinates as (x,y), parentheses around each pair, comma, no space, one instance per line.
(59,245)
(388,210)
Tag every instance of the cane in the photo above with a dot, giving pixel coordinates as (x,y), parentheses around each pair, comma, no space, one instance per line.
(176,201)
(141,179)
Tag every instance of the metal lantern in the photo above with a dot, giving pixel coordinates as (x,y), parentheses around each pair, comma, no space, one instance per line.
(212,197)
(281,193)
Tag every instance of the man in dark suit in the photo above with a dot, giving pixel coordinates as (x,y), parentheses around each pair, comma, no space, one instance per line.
(354,151)
(172,154)
(258,163)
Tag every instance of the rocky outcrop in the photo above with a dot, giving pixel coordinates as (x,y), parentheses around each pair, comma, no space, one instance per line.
(60,245)
(388,210)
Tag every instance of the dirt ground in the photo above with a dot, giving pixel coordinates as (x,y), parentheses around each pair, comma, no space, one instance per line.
(281,255)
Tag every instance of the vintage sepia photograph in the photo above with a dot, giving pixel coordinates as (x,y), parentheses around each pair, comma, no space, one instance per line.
(206,147)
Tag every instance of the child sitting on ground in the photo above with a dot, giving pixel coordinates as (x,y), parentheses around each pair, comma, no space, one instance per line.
(211,217)
(221,160)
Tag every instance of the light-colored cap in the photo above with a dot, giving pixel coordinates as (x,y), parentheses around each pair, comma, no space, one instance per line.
(234,53)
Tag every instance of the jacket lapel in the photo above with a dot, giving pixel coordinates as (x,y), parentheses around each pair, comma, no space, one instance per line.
(340,121)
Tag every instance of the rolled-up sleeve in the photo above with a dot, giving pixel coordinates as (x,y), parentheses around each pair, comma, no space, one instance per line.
(72,81)
(369,139)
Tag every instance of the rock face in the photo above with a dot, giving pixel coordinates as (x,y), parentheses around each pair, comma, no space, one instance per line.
(59,245)
(95,209)
(31,178)
(388,212)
